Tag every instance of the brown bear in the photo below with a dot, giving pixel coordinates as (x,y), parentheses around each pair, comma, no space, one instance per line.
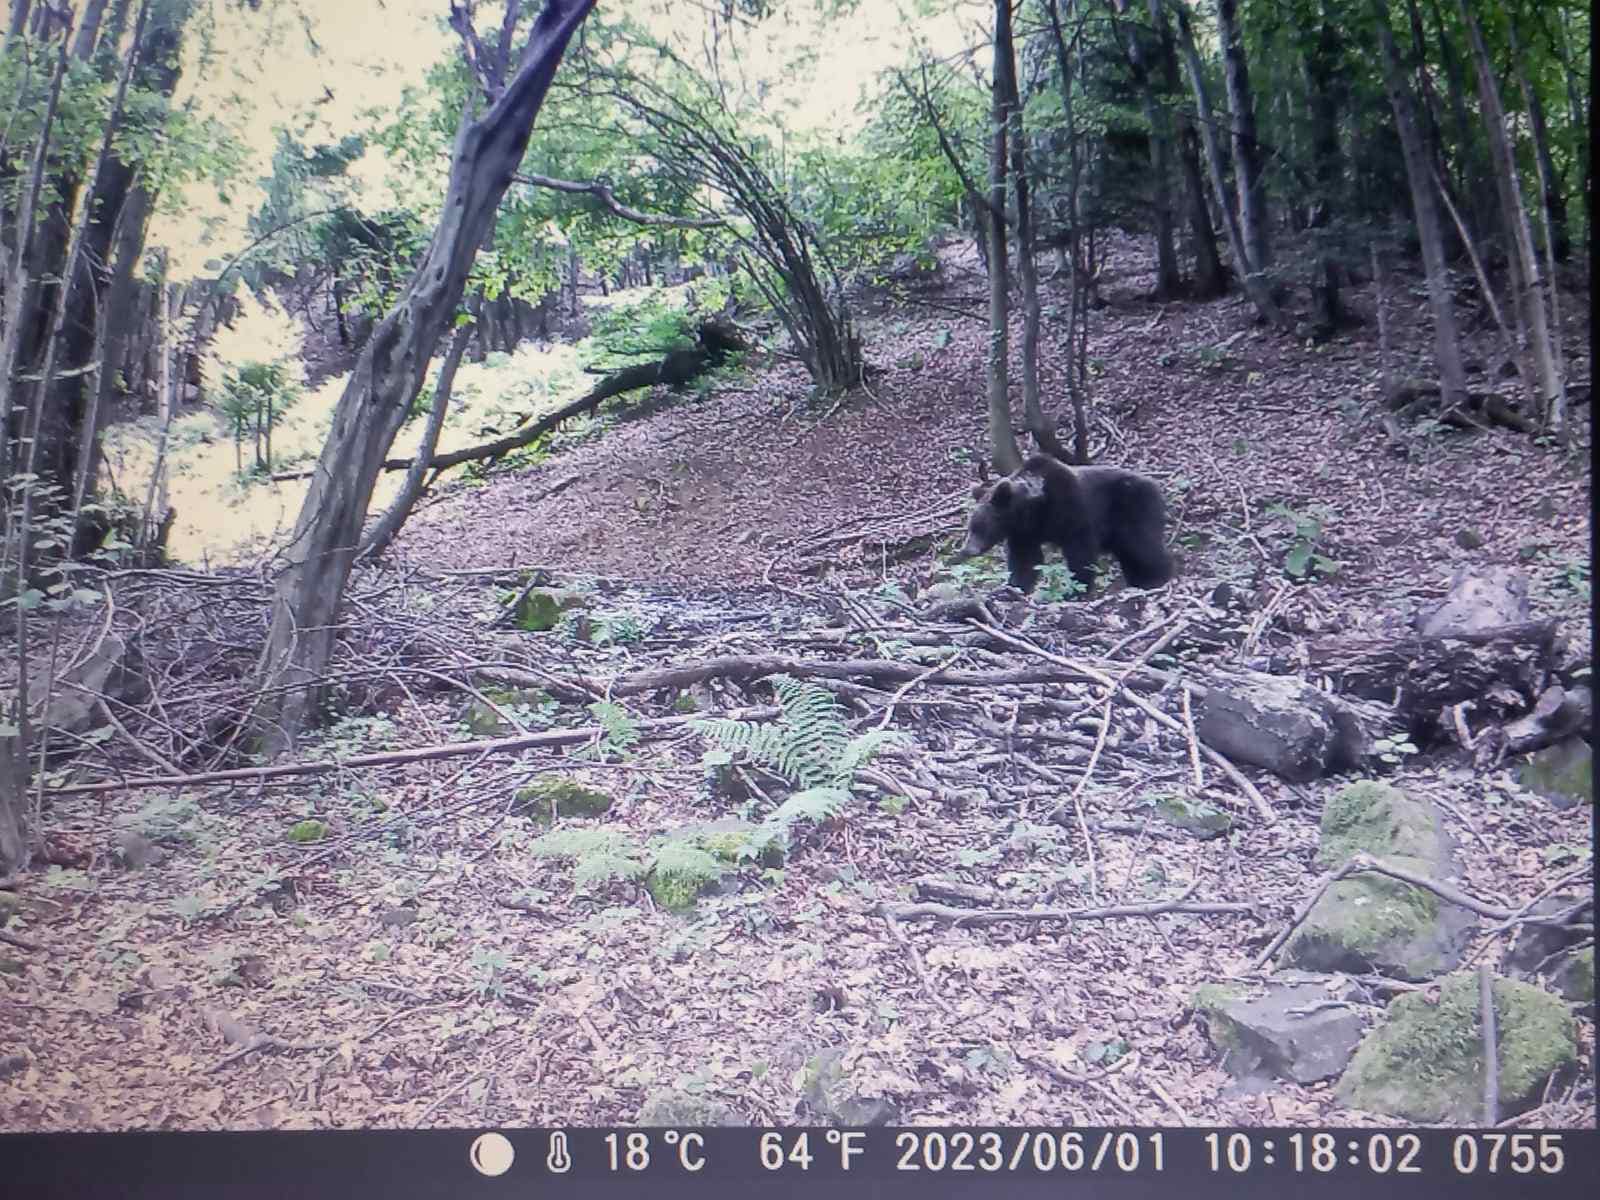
(1085,511)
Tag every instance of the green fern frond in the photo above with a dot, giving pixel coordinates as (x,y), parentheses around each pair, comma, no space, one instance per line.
(685,861)
(595,869)
(814,804)
(575,843)
(861,750)
(760,743)
(621,731)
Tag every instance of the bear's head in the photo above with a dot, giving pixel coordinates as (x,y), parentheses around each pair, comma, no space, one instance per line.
(988,524)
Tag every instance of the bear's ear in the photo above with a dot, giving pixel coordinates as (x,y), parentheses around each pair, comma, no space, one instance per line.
(1001,496)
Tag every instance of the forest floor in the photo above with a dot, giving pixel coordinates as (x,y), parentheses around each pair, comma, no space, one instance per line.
(425,968)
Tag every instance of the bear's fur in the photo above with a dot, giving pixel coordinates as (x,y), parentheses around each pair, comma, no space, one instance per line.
(1084,511)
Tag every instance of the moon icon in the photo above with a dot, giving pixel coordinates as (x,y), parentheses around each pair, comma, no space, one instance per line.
(491,1154)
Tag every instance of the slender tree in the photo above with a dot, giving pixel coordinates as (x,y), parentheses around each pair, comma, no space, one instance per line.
(389,374)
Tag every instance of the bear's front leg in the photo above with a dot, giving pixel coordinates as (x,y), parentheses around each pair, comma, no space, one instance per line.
(1024,561)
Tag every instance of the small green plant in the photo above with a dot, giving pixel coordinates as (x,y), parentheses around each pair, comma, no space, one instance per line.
(619,732)
(488,968)
(1056,584)
(616,629)
(1303,557)
(253,398)
(808,745)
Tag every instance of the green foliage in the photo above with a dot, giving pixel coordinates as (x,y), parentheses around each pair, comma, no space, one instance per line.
(647,327)
(620,733)
(1394,749)
(808,745)
(1057,583)
(1303,557)
(253,397)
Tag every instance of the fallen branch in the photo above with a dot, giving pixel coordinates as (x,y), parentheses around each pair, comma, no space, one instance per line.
(965,916)
(1365,862)
(1255,797)
(506,745)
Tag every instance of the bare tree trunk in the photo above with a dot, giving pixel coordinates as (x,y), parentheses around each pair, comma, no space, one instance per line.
(1468,157)
(389,524)
(1322,70)
(1246,151)
(1168,281)
(1003,450)
(1254,280)
(1551,395)
(1555,203)
(387,376)
(1430,228)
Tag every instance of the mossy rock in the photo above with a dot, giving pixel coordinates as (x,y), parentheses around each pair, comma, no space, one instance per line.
(483,721)
(836,1096)
(737,842)
(308,831)
(1193,816)
(1562,774)
(540,609)
(1372,922)
(554,796)
(1425,1062)
(670,1107)
(1373,818)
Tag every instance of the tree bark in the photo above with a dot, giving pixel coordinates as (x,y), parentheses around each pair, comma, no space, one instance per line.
(1425,205)
(1544,378)
(389,524)
(1169,283)
(1246,150)
(1003,449)
(387,376)
(1254,280)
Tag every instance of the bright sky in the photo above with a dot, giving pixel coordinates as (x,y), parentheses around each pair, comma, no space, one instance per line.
(367,51)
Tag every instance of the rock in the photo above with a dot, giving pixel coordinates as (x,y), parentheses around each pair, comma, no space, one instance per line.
(1537,941)
(1193,816)
(554,796)
(835,1096)
(1280,724)
(1563,774)
(670,1107)
(1558,714)
(1425,1062)
(1294,1028)
(115,671)
(1574,979)
(1478,600)
(1372,922)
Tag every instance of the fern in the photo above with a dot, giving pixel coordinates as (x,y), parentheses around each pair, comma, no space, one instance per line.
(683,860)
(621,733)
(808,743)
(812,804)
(602,854)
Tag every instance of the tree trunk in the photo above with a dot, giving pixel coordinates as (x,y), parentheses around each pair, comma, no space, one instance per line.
(1003,450)
(387,376)
(389,524)
(1322,74)
(1425,205)
(1210,280)
(1168,282)
(1526,275)
(1254,280)
(1555,203)
(1471,178)
(1246,150)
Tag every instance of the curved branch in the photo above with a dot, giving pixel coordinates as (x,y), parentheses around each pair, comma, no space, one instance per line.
(604,194)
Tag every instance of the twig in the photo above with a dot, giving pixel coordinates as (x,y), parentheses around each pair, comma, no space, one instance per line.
(1244,785)
(1194,743)
(506,745)
(1491,1053)
(916,962)
(962,916)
